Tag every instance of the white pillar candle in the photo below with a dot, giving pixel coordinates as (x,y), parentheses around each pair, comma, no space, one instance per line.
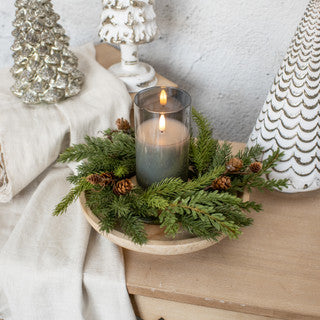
(162,121)
(161,150)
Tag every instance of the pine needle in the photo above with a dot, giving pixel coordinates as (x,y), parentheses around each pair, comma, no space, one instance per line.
(172,201)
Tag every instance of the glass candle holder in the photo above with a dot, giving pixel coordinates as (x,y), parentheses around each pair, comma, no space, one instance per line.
(162,127)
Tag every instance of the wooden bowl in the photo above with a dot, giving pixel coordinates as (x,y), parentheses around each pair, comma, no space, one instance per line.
(158,243)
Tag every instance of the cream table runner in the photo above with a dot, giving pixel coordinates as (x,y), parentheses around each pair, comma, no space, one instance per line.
(56,267)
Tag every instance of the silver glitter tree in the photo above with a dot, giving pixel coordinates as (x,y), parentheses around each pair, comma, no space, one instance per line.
(45,70)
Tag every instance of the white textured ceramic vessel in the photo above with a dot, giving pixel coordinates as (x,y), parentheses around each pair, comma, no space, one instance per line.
(290,117)
(129,23)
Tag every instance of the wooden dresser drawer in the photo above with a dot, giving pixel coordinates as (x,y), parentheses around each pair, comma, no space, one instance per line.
(153,309)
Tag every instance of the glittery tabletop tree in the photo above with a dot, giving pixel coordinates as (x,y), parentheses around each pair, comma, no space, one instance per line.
(129,23)
(45,70)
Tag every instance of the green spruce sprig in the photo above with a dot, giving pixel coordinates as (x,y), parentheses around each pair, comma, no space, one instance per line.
(257,180)
(114,153)
(202,149)
(72,196)
(173,203)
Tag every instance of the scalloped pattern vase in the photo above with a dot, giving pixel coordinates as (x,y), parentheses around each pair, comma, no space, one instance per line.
(290,117)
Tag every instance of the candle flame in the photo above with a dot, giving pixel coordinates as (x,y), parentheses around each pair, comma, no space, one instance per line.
(162,123)
(163,97)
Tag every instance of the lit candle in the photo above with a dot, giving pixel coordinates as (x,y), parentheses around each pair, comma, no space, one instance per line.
(162,136)
(163,97)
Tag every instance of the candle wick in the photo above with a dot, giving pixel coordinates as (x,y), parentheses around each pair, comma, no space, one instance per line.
(161,131)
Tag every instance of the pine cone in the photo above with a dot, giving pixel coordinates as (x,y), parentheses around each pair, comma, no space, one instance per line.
(94,179)
(255,167)
(123,187)
(107,178)
(234,165)
(222,183)
(102,179)
(123,124)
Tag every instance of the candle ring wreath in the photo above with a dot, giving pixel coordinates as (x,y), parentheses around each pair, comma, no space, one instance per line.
(207,205)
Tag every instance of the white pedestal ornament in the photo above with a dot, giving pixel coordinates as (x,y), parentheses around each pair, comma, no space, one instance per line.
(289,119)
(129,23)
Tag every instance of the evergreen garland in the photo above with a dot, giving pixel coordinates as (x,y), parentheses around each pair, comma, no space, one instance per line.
(198,205)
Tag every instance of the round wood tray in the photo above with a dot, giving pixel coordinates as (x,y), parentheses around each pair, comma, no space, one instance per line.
(157,244)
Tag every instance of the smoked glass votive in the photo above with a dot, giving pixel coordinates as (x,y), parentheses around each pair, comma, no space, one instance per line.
(162,127)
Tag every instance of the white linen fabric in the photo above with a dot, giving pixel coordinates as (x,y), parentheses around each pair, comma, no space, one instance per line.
(31,137)
(56,268)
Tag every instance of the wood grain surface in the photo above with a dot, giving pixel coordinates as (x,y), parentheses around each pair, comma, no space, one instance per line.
(158,243)
(273,270)
(151,309)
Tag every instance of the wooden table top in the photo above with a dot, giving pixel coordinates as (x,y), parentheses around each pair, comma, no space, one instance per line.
(272,270)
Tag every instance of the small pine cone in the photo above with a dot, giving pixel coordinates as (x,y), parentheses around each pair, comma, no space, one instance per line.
(234,165)
(222,183)
(255,167)
(107,178)
(123,124)
(94,179)
(123,187)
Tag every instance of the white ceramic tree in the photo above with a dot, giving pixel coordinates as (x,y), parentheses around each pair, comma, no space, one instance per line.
(290,117)
(129,23)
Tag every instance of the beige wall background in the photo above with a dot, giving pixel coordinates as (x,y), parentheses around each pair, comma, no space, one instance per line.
(224,52)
